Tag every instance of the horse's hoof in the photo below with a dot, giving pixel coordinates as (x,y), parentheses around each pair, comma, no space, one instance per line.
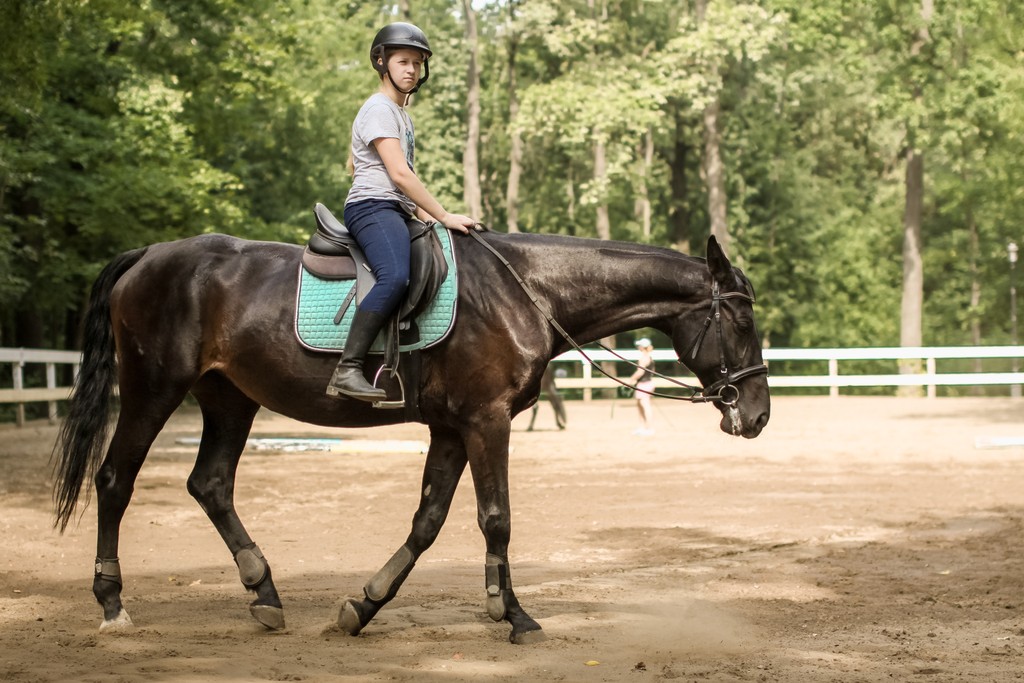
(271,617)
(348,619)
(121,622)
(527,637)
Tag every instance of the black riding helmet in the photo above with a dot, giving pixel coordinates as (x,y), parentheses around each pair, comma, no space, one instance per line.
(395,36)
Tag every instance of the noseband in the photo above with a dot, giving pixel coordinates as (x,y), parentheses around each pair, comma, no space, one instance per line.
(717,392)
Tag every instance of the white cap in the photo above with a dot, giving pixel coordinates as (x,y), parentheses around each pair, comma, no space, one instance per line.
(644,343)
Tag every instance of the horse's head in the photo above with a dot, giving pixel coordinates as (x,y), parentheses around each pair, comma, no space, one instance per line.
(718,342)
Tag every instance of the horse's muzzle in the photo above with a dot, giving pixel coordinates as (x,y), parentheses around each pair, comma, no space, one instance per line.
(747,415)
(748,429)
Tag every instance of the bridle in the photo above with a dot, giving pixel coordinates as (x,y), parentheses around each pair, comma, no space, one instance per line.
(716,391)
(723,391)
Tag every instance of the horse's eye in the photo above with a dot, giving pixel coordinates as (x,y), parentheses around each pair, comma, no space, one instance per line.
(743,325)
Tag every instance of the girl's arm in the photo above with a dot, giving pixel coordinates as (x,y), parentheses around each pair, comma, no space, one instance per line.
(643,363)
(390,151)
(635,377)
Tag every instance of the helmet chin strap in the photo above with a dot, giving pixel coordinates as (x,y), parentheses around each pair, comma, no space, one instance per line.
(407,93)
(411,91)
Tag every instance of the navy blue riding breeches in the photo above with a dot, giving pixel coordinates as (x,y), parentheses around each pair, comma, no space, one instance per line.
(381,232)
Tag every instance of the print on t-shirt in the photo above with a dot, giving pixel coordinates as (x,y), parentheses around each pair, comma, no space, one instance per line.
(409,145)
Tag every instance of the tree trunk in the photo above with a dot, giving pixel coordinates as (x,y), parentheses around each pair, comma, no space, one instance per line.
(515,164)
(678,213)
(603,225)
(470,157)
(514,171)
(712,168)
(973,239)
(913,276)
(973,310)
(29,329)
(570,192)
(912,304)
(643,203)
(714,176)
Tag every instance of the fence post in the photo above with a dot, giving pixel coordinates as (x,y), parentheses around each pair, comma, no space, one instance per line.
(19,384)
(833,371)
(929,366)
(51,383)
(588,374)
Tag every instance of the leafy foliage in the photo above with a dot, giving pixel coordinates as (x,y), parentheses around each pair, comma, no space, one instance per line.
(123,124)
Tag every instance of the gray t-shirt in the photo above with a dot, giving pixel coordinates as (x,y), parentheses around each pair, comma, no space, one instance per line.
(379,117)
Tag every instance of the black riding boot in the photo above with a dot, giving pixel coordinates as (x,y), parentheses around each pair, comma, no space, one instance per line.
(348,377)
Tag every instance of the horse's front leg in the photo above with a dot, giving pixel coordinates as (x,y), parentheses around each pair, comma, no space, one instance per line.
(446,460)
(487,449)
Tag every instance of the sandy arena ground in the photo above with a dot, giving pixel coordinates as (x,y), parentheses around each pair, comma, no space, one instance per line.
(857,539)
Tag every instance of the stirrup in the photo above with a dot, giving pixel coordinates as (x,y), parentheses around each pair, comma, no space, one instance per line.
(400,402)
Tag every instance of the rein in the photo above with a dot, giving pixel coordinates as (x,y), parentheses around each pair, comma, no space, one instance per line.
(716,392)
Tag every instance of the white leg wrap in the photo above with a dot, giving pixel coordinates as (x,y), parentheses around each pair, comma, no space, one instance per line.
(497,580)
(252,567)
(109,569)
(391,575)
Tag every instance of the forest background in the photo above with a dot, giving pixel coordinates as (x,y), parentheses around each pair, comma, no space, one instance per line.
(862,160)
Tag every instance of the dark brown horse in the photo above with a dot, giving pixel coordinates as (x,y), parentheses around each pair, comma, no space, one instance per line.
(213,316)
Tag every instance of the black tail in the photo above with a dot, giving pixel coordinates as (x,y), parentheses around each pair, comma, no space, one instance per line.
(83,435)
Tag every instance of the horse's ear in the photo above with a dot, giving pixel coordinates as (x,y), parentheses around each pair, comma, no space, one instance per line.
(718,262)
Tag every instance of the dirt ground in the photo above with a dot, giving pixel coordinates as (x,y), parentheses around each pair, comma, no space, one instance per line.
(857,539)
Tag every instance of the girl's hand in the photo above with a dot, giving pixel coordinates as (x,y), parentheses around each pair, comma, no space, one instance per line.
(458,222)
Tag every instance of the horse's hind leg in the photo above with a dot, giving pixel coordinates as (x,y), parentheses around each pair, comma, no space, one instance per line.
(227,419)
(446,460)
(137,426)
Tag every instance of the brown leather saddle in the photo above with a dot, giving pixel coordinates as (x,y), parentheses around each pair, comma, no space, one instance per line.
(333,254)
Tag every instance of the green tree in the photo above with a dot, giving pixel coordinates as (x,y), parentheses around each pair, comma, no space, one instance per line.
(95,159)
(125,124)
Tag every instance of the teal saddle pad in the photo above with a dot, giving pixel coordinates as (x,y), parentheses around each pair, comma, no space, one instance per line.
(318,302)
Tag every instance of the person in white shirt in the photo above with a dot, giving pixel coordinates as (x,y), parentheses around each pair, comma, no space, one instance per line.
(643,383)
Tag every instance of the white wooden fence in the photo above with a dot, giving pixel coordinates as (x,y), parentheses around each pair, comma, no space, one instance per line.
(834,380)
(587,379)
(51,393)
